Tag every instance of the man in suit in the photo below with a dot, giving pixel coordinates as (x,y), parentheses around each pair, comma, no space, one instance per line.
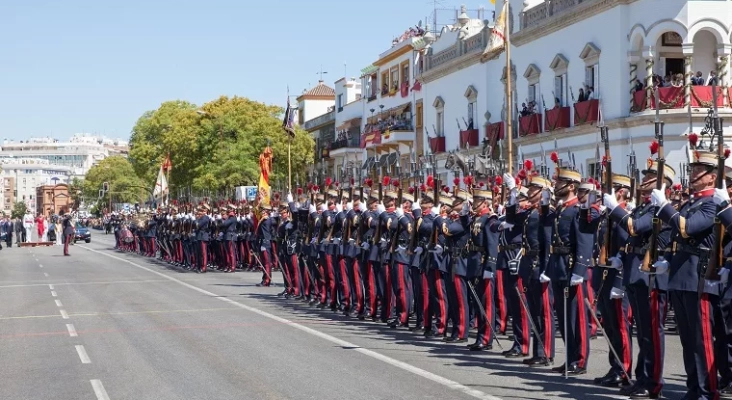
(68,231)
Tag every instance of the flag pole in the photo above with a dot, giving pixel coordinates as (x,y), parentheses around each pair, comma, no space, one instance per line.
(167,180)
(509,103)
(289,148)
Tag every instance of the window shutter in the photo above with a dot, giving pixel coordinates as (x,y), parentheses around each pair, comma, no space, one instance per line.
(558,89)
(588,76)
(596,80)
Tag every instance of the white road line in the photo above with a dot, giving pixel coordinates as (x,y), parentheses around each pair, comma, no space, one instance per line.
(99,389)
(82,354)
(50,287)
(40,265)
(369,353)
(53,293)
(63,314)
(58,303)
(72,330)
(45,274)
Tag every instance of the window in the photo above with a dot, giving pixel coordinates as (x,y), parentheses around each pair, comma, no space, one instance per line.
(559,65)
(405,72)
(591,56)
(472,96)
(532,75)
(394,79)
(384,83)
(532,92)
(340,102)
(592,78)
(439,106)
(560,87)
(418,116)
(374,86)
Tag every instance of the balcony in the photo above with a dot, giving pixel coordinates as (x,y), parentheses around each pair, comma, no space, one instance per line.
(398,135)
(469,138)
(495,131)
(556,118)
(586,112)
(324,119)
(370,139)
(530,125)
(673,98)
(348,145)
(437,144)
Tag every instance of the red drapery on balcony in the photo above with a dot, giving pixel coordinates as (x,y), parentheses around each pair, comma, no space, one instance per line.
(701,96)
(469,138)
(639,101)
(556,118)
(404,89)
(586,111)
(370,138)
(530,125)
(669,97)
(673,97)
(495,131)
(437,144)
(417,86)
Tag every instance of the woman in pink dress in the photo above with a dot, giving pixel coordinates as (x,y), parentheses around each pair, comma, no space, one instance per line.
(40,227)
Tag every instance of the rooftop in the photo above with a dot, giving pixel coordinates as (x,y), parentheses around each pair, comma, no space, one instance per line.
(321,90)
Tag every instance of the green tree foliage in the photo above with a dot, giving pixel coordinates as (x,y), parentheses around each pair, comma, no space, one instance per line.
(124,185)
(19,210)
(214,147)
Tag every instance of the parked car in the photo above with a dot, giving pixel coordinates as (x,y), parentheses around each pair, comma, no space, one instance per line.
(82,233)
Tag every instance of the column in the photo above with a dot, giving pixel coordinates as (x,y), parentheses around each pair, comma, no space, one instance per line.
(633,72)
(648,56)
(723,51)
(688,51)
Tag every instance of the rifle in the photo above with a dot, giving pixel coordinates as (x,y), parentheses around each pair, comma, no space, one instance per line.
(652,252)
(395,238)
(347,236)
(457,121)
(333,223)
(360,227)
(377,236)
(633,174)
(607,182)
(414,236)
(716,256)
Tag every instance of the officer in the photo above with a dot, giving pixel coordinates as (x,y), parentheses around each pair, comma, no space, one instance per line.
(570,256)
(723,321)
(457,230)
(482,254)
(692,239)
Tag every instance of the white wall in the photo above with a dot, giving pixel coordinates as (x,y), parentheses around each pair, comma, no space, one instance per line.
(315,108)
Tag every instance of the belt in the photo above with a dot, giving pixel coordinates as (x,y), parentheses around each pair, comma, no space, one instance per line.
(509,247)
(560,250)
(641,251)
(530,252)
(474,248)
(693,250)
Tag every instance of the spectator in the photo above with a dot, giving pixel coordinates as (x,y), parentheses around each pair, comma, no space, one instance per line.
(697,79)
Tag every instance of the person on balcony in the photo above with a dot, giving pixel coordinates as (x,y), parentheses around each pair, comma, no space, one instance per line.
(638,86)
(589,92)
(712,78)
(697,79)
(581,97)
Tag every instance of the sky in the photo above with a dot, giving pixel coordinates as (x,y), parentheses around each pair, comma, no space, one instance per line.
(96,66)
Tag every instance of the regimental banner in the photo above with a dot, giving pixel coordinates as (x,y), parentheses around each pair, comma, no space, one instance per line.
(265,169)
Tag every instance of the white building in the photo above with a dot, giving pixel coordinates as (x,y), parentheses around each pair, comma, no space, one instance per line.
(316,114)
(392,127)
(25,175)
(346,151)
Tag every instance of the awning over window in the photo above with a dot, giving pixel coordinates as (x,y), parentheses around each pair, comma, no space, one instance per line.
(368,164)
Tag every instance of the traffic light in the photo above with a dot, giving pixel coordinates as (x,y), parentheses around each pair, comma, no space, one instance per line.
(105,186)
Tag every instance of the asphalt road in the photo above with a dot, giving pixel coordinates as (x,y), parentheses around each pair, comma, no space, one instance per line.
(108,325)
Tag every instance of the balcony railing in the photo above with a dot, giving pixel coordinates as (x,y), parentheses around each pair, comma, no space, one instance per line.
(586,112)
(320,120)
(556,118)
(542,13)
(469,138)
(530,124)
(673,98)
(437,144)
(354,142)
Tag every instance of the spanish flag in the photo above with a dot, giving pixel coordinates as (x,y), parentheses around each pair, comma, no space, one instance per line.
(265,168)
(263,191)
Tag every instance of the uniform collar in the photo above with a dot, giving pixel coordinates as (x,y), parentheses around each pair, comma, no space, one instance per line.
(571,202)
(485,211)
(704,193)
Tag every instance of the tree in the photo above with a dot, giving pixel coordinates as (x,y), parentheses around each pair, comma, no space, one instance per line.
(124,185)
(19,210)
(216,147)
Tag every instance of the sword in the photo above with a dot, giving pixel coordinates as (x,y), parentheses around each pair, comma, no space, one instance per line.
(609,344)
(566,346)
(522,299)
(485,315)
(261,266)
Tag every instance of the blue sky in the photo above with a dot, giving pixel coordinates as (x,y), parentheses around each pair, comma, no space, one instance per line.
(95,66)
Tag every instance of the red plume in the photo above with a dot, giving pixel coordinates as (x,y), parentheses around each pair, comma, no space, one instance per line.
(328,181)
(411,189)
(276,196)
(654,147)
(299,191)
(496,189)
(528,165)
(430,181)
(677,187)
(395,182)
(386,180)
(468,180)
(590,180)
(726,153)
(554,157)
(369,182)
(481,184)
(693,138)
(499,181)
(310,186)
(423,188)
(521,175)
(597,185)
(518,181)
(534,173)
(446,189)
(316,188)
(604,161)
(456,181)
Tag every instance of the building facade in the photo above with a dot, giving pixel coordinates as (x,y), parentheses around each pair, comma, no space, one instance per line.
(345,152)
(23,175)
(52,199)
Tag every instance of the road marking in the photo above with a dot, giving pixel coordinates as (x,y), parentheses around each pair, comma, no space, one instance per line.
(82,283)
(82,354)
(45,274)
(58,303)
(40,265)
(72,330)
(94,314)
(369,353)
(99,389)
(64,315)
(50,287)
(53,293)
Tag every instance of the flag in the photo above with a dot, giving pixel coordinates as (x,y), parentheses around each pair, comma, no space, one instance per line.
(265,168)
(161,185)
(497,41)
(167,165)
(288,123)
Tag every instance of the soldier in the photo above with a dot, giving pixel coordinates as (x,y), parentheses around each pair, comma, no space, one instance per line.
(438,277)
(692,238)
(537,288)
(202,237)
(285,228)
(649,307)
(401,232)
(457,230)
(230,236)
(68,231)
(342,279)
(611,301)
(351,255)
(482,255)
(388,222)
(327,251)
(570,256)
(373,279)
(151,235)
(723,318)
(423,227)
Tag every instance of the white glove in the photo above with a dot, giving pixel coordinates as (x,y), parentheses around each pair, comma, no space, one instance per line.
(218,217)
(418,250)
(723,275)
(575,280)
(608,199)
(438,249)
(399,212)
(274,214)
(365,246)
(466,207)
(721,195)
(661,266)
(435,211)
(288,226)
(616,293)
(362,206)
(487,275)
(512,196)
(349,206)
(546,197)
(311,209)
(658,197)
(544,279)
(249,216)
(323,207)
(263,249)
(499,209)
(380,208)
(289,198)
(238,218)
(338,207)
(616,262)
(509,181)
(415,205)
(505,226)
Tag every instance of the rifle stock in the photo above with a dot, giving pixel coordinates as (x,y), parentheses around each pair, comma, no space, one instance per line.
(377,236)
(716,258)
(607,241)
(651,255)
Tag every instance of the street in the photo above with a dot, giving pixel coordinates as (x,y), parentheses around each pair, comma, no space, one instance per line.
(108,325)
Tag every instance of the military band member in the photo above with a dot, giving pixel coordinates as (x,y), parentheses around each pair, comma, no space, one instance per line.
(438,277)
(373,280)
(692,239)
(482,255)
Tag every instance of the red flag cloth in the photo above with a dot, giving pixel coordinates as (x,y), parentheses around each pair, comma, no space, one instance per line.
(167,165)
